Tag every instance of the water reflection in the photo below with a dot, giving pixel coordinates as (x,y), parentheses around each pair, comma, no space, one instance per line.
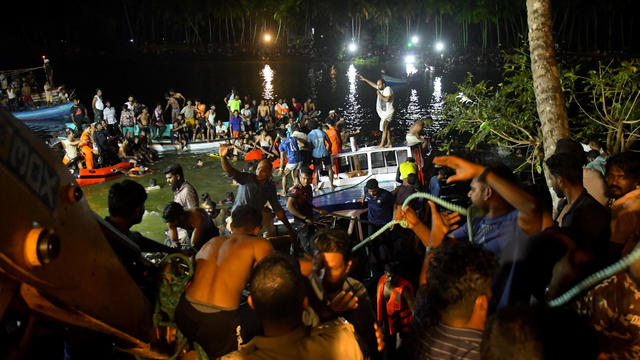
(267,74)
(352,105)
(437,102)
(410,69)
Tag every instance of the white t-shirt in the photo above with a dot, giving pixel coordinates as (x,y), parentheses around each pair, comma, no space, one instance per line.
(221,129)
(211,118)
(385,109)
(109,115)
(99,105)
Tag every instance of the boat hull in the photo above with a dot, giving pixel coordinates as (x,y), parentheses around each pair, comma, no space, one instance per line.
(394,81)
(87,177)
(52,112)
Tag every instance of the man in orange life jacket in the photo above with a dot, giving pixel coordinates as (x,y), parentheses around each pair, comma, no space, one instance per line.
(86,146)
(394,303)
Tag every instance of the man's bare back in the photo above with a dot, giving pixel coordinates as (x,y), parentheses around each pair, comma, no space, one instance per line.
(223,266)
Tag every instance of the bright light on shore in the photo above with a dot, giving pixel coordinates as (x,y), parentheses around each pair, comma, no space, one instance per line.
(409,59)
(439,46)
(267,37)
(415,39)
(353,47)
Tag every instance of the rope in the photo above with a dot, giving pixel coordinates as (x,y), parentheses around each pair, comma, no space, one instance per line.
(377,233)
(451,206)
(597,277)
(403,223)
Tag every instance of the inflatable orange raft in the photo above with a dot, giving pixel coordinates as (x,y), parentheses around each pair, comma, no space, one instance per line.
(93,176)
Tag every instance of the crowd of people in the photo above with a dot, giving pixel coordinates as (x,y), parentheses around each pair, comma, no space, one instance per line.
(440,289)
(22,91)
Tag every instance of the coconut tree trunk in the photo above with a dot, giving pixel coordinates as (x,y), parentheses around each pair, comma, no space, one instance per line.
(546,81)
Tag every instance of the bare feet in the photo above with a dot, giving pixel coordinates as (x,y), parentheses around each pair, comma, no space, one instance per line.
(388,145)
(379,146)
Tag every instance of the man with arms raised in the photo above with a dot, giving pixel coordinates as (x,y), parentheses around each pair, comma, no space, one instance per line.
(255,190)
(384,107)
(208,312)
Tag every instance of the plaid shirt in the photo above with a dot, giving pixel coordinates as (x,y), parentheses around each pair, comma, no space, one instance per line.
(186,196)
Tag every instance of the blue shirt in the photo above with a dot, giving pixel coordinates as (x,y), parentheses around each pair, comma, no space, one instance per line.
(434,186)
(502,236)
(252,193)
(380,207)
(290,146)
(236,123)
(318,139)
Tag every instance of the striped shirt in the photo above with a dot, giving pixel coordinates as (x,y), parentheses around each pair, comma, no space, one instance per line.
(444,342)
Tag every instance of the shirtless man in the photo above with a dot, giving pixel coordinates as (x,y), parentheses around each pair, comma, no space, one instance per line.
(208,313)
(414,136)
(175,107)
(263,112)
(143,123)
(196,219)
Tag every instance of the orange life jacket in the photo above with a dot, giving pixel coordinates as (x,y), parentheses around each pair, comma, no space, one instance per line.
(397,311)
(200,110)
(336,141)
(280,112)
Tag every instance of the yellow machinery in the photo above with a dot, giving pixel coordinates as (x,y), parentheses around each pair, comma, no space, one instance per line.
(53,253)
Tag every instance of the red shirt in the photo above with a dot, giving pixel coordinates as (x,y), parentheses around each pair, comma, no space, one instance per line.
(303,199)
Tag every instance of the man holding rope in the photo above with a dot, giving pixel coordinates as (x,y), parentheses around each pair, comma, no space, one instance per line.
(511,215)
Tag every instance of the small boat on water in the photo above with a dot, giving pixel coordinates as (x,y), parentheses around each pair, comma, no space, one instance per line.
(86,177)
(52,112)
(394,81)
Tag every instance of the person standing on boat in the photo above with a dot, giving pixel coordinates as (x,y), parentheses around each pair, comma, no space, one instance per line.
(175,107)
(321,156)
(86,146)
(47,93)
(127,121)
(98,106)
(109,114)
(78,114)
(379,212)
(157,122)
(384,107)
(289,146)
(211,123)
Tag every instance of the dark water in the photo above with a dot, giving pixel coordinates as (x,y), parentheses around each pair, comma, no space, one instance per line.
(148,81)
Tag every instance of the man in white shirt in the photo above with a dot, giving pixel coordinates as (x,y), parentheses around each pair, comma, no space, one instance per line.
(384,107)
(109,114)
(221,130)
(98,106)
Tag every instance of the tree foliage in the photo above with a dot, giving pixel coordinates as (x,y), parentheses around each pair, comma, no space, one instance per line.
(610,104)
(501,114)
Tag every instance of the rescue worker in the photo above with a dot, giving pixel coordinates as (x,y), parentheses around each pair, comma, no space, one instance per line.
(86,146)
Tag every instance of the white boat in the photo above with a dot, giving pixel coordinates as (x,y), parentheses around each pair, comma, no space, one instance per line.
(355,168)
(164,147)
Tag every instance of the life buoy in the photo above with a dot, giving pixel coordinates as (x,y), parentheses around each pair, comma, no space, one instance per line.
(139,171)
